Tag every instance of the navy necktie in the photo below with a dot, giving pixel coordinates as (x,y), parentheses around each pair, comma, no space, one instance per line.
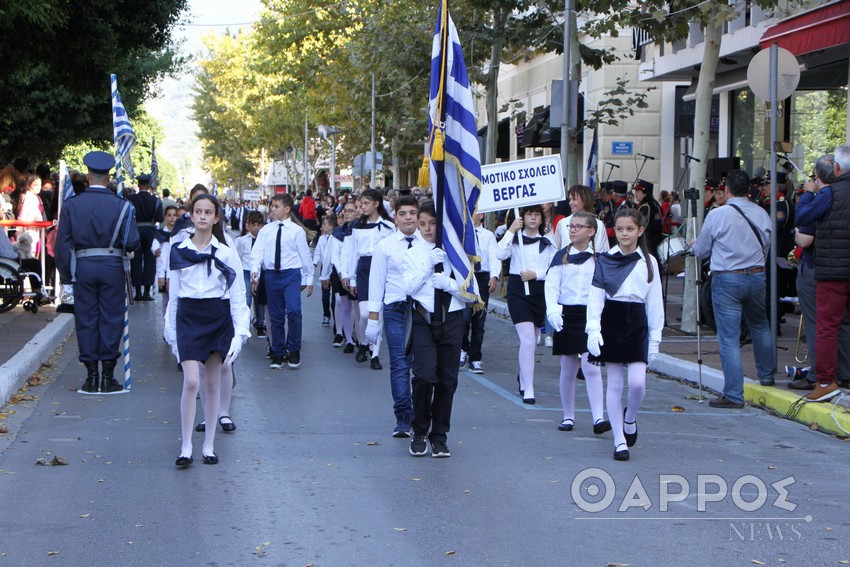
(409,241)
(277,248)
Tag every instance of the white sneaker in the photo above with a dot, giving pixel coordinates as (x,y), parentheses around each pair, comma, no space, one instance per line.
(547,342)
(463,358)
(477,367)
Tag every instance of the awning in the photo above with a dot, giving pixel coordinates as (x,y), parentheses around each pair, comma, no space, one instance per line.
(819,29)
(539,134)
(503,141)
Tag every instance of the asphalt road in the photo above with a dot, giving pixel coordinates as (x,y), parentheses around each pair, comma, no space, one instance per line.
(313,477)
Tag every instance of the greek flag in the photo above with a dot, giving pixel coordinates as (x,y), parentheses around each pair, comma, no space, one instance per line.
(455,165)
(125,137)
(154,165)
(66,188)
(590,174)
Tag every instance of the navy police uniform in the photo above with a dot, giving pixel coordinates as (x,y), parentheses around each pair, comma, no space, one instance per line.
(95,229)
(148,213)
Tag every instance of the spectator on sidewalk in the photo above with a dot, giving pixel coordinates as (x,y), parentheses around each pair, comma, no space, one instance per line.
(830,209)
(737,237)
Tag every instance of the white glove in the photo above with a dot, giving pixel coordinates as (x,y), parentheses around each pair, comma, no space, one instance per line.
(594,342)
(653,351)
(442,281)
(235,349)
(373,331)
(652,357)
(438,256)
(556,319)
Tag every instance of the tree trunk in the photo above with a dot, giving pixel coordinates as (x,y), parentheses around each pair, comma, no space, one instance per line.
(396,164)
(492,86)
(702,123)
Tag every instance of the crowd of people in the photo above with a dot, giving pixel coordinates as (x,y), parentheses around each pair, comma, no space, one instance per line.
(575,277)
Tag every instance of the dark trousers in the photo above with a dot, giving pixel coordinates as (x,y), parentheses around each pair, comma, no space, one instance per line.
(143,264)
(283,293)
(326,302)
(435,375)
(475,321)
(99,308)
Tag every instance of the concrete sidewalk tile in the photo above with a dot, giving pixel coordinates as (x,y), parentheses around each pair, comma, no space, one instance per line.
(780,401)
(17,370)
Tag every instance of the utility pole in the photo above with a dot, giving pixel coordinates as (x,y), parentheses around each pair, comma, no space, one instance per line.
(565,93)
(306,161)
(374,157)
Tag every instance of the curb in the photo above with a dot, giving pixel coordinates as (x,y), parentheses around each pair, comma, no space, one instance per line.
(17,370)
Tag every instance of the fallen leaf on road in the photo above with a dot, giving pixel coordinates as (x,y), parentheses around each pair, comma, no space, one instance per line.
(619,565)
(7,472)
(415,478)
(52,553)
(372,443)
(400,529)
(757,562)
(3,431)
(829,529)
(85,515)
(55,461)
(466,491)
(771,468)
(813,427)
(844,561)
(677,409)
(450,552)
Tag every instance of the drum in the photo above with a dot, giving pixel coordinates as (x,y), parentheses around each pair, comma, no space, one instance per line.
(671,253)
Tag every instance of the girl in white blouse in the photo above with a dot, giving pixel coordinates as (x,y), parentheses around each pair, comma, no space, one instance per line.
(568,283)
(625,317)
(530,253)
(207,318)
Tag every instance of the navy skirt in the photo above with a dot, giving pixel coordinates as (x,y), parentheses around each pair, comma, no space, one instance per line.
(364,265)
(571,339)
(336,284)
(526,308)
(625,332)
(204,326)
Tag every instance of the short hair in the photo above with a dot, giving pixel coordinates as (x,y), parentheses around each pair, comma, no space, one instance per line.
(198,188)
(284,198)
(331,219)
(842,157)
(169,208)
(824,170)
(255,217)
(166,193)
(427,207)
(738,183)
(535,209)
(586,195)
(405,201)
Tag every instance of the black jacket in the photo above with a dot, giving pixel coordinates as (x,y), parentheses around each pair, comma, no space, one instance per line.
(832,241)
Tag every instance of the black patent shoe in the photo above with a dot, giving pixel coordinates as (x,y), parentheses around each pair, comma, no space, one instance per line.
(210,459)
(622,454)
(183,461)
(201,427)
(631,438)
(566,425)
(601,427)
(376,364)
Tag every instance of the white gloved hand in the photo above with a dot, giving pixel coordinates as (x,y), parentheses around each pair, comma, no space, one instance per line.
(556,319)
(653,351)
(68,288)
(652,357)
(442,281)
(594,343)
(235,349)
(373,331)
(438,256)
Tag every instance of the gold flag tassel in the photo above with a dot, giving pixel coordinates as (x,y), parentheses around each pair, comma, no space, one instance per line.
(424,181)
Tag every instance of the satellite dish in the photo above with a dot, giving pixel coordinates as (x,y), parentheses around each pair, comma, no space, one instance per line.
(787,75)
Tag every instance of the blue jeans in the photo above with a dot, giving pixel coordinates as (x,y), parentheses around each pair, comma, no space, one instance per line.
(734,295)
(394,314)
(283,292)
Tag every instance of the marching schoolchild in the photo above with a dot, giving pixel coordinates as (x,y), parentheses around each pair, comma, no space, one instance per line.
(531,254)
(281,251)
(568,283)
(345,307)
(207,319)
(625,317)
(320,258)
(244,244)
(487,275)
(161,248)
(435,358)
(373,226)
(388,297)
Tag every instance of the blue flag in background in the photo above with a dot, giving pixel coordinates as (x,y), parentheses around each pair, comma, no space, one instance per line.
(590,175)
(125,137)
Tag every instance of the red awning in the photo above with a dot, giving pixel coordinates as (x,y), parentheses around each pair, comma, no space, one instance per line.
(819,29)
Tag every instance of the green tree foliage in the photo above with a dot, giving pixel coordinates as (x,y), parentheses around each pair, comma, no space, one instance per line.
(57,56)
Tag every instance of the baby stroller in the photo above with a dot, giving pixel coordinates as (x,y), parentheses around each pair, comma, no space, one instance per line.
(13,289)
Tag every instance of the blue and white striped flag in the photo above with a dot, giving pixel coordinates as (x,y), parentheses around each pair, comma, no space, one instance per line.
(66,188)
(154,165)
(125,137)
(455,164)
(590,174)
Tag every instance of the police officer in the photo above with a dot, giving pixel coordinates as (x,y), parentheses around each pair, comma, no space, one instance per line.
(148,213)
(96,228)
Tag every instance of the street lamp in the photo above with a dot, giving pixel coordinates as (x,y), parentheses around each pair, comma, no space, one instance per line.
(332,131)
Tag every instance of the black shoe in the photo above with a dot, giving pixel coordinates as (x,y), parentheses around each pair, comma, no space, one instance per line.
(277,362)
(529,401)
(767,382)
(362,353)
(631,438)
(147,297)
(184,461)
(566,425)
(269,352)
(601,427)
(92,378)
(726,403)
(418,447)
(108,384)
(210,460)
(201,427)
(339,340)
(294,359)
(376,364)
(622,454)
(137,297)
(261,332)
(229,427)
(519,386)
(439,450)
(326,321)
(349,348)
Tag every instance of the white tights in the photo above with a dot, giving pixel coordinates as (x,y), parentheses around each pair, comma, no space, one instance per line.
(614,397)
(346,317)
(225,390)
(592,380)
(191,384)
(527,341)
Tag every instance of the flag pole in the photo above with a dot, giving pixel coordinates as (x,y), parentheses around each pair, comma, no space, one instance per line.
(437,157)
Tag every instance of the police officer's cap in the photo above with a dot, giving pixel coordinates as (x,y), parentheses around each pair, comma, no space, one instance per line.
(144,178)
(99,162)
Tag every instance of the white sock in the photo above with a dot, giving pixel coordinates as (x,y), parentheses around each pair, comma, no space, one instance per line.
(637,391)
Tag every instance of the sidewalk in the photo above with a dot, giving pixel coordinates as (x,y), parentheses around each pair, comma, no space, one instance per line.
(678,360)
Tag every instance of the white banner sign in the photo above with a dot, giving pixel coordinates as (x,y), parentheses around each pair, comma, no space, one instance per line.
(521,183)
(251,195)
